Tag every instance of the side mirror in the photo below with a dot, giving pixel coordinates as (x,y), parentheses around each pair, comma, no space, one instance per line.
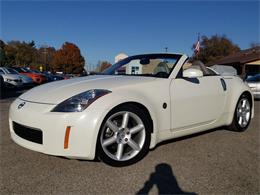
(192,73)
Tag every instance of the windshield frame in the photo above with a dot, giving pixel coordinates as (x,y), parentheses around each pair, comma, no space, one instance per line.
(11,70)
(125,61)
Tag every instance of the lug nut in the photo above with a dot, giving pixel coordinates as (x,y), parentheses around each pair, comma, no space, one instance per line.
(127,133)
(126,139)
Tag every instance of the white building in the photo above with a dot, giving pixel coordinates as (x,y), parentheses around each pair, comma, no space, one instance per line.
(131,68)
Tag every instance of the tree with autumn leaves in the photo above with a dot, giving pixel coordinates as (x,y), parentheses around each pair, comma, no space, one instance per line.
(214,48)
(103,65)
(68,59)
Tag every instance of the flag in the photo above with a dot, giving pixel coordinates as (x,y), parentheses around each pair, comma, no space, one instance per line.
(197,47)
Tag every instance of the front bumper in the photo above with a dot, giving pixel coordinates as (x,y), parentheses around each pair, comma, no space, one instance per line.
(29,85)
(82,137)
(13,84)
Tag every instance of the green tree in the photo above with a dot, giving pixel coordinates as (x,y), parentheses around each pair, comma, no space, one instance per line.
(214,48)
(68,59)
(26,54)
(20,53)
(10,54)
(2,53)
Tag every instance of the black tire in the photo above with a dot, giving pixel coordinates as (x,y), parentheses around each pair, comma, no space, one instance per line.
(101,154)
(235,126)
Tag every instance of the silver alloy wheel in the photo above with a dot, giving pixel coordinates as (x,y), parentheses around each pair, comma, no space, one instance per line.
(243,112)
(123,136)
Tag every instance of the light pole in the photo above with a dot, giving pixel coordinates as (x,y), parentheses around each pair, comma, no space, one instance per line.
(45,53)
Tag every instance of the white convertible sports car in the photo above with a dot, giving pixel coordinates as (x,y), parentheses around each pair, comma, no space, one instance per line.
(132,106)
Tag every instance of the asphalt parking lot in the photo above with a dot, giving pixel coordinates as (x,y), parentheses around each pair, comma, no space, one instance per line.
(216,162)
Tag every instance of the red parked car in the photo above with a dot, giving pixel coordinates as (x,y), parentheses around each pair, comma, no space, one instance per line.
(36,77)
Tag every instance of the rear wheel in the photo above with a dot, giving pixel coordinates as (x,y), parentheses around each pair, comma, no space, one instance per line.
(242,115)
(124,137)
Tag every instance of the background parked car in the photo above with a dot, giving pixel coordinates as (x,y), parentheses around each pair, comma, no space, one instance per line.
(254,84)
(11,80)
(48,76)
(52,77)
(70,76)
(27,81)
(57,77)
(36,77)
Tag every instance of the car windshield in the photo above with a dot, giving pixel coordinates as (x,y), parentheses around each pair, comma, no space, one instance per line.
(36,71)
(255,78)
(26,70)
(153,65)
(11,71)
(21,70)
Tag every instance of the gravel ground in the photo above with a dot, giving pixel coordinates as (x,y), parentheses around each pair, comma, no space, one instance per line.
(216,162)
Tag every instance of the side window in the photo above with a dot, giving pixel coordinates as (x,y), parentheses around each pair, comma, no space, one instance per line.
(1,71)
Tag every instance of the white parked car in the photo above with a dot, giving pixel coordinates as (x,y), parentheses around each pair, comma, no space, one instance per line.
(254,84)
(118,117)
(11,80)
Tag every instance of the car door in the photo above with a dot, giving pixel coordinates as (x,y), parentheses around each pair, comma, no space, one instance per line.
(197,101)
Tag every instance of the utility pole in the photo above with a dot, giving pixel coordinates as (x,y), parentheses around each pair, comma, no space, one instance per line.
(45,52)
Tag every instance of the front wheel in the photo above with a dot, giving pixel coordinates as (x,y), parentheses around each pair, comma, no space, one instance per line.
(242,114)
(124,137)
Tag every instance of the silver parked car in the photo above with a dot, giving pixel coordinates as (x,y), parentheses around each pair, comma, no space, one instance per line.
(11,80)
(26,81)
(254,84)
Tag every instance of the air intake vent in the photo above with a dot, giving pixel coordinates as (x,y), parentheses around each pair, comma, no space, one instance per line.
(28,133)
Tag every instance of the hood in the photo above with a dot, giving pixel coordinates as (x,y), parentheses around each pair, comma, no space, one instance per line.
(58,91)
(42,75)
(26,79)
(31,74)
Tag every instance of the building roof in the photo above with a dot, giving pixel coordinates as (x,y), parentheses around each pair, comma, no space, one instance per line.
(241,57)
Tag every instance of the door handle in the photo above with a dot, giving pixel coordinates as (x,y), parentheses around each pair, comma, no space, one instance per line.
(223,83)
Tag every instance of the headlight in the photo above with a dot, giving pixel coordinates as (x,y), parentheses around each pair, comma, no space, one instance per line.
(80,102)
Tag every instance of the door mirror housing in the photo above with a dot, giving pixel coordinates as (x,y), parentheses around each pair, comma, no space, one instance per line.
(192,73)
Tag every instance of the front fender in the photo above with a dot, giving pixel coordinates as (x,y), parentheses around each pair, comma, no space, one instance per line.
(108,102)
(236,88)
(148,97)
